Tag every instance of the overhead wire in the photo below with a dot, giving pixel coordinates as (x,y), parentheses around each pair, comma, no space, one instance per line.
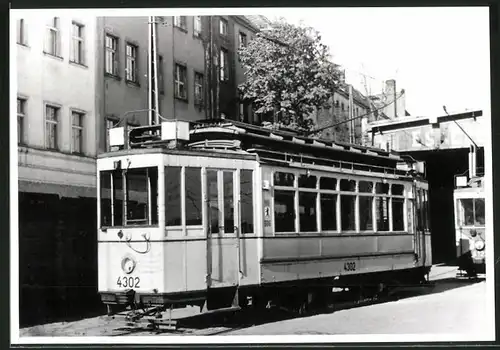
(366,114)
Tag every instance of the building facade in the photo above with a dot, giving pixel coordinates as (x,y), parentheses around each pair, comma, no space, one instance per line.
(339,114)
(193,82)
(56,119)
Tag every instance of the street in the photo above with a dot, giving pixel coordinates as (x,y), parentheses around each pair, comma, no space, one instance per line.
(451,306)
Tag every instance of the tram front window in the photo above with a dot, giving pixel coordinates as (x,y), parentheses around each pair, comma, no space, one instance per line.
(140,198)
(471,212)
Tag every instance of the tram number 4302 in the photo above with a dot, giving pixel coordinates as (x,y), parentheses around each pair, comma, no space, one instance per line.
(350,266)
(128,282)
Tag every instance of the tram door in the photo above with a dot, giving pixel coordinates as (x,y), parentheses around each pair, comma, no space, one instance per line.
(420,220)
(222,240)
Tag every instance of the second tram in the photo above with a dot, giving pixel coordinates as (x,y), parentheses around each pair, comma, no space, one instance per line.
(470,230)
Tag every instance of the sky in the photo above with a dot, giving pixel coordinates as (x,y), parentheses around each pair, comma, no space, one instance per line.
(440,56)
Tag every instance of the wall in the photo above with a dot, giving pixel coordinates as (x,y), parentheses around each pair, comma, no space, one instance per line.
(43,78)
(241,25)
(447,136)
(176,46)
(57,206)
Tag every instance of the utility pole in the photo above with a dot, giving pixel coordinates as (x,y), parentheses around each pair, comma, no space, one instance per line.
(351,115)
(153,74)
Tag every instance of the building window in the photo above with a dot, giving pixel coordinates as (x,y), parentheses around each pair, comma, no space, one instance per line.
(197,26)
(161,82)
(131,63)
(52,43)
(242,42)
(222,26)
(180,22)
(198,88)
(77,132)
(180,81)
(111,55)
(51,120)
(77,44)
(21,114)
(21,32)
(223,64)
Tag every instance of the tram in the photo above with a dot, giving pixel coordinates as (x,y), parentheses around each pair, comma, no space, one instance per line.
(468,198)
(225,215)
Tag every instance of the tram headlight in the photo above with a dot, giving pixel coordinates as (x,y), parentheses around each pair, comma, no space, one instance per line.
(128,264)
(479,245)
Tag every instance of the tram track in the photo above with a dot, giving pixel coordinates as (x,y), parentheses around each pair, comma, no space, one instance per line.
(225,324)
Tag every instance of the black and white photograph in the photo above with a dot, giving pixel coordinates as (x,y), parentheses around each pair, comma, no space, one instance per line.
(251,175)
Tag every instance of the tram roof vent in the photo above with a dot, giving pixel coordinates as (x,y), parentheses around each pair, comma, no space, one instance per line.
(175,130)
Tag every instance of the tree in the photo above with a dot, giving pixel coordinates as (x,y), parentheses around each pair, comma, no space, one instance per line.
(288,75)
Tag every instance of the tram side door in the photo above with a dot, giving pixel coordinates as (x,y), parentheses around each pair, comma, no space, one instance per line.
(222,217)
(420,221)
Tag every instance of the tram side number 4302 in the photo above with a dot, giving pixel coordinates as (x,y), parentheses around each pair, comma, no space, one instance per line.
(128,282)
(350,266)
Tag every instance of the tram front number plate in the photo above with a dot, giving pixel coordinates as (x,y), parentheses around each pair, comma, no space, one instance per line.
(128,282)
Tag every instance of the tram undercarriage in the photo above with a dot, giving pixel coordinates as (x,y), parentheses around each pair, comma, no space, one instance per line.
(298,297)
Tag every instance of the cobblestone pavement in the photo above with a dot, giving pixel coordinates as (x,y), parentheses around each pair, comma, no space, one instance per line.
(447,307)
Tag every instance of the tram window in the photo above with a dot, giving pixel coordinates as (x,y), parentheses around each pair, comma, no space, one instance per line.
(365,213)
(347,185)
(382,213)
(228,202)
(246,195)
(138,183)
(193,196)
(348,212)
(381,188)
(366,186)
(479,211)
(328,211)
(284,211)
(105,193)
(172,196)
(306,181)
(328,183)
(471,212)
(398,223)
(398,190)
(426,209)
(213,201)
(117,198)
(307,212)
(283,179)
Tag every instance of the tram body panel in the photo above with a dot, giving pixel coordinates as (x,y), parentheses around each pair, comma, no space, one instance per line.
(288,271)
(131,263)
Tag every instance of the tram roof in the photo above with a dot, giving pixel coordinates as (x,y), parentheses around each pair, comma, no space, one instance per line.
(238,138)
(256,138)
